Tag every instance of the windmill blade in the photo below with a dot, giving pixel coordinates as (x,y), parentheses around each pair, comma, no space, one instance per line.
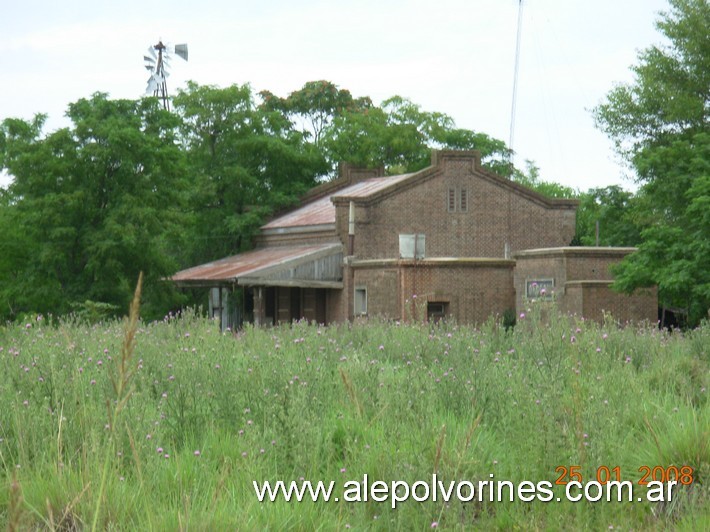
(152,86)
(149,59)
(149,67)
(152,53)
(181,51)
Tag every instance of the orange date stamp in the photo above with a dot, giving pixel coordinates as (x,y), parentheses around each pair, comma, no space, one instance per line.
(604,474)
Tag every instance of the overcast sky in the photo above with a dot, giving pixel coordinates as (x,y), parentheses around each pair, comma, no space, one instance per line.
(450,56)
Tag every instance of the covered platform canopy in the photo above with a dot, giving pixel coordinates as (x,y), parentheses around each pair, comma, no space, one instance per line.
(311,266)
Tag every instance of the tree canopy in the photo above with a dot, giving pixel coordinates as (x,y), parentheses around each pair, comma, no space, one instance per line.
(90,206)
(659,122)
(244,161)
(397,134)
(616,212)
(315,105)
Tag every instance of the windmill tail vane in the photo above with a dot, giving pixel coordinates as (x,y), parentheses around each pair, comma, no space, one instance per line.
(156,62)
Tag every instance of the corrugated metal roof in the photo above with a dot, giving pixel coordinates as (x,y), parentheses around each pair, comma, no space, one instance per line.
(322,210)
(248,263)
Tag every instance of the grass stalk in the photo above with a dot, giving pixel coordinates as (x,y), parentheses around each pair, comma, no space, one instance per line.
(14,522)
(351,391)
(120,384)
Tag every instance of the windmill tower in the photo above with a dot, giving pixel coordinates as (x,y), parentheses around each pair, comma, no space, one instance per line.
(156,62)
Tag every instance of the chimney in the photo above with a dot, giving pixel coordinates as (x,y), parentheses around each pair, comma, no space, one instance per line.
(353,173)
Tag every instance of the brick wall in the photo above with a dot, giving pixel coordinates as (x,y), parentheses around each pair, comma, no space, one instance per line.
(471,290)
(530,269)
(591,265)
(593,299)
(383,290)
(582,278)
(497,211)
(338,303)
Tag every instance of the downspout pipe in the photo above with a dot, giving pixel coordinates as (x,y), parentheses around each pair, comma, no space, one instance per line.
(351,229)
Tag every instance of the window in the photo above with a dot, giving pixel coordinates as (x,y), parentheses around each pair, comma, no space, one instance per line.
(463,200)
(360,303)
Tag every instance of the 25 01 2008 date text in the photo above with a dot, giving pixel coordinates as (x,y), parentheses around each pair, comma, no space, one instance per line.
(683,475)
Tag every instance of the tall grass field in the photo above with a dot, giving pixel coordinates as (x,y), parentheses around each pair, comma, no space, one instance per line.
(165,426)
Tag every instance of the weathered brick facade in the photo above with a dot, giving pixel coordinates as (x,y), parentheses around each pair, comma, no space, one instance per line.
(496,211)
(595,299)
(580,282)
(470,222)
(469,289)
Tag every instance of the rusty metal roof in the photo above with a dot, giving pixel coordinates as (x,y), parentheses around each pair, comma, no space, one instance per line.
(322,210)
(247,264)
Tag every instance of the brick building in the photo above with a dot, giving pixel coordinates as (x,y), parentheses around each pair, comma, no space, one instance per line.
(450,240)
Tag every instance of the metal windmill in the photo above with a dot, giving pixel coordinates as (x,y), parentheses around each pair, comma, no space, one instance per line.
(156,62)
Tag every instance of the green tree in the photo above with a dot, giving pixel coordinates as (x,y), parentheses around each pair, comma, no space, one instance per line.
(660,123)
(16,252)
(530,177)
(246,162)
(315,105)
(495,154)
(615,210)
(372,138)
(399,135)
(91,205)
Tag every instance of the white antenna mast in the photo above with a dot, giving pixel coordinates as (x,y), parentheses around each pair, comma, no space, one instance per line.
(515,83)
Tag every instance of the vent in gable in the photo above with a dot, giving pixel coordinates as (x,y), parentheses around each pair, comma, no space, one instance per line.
(451,200)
